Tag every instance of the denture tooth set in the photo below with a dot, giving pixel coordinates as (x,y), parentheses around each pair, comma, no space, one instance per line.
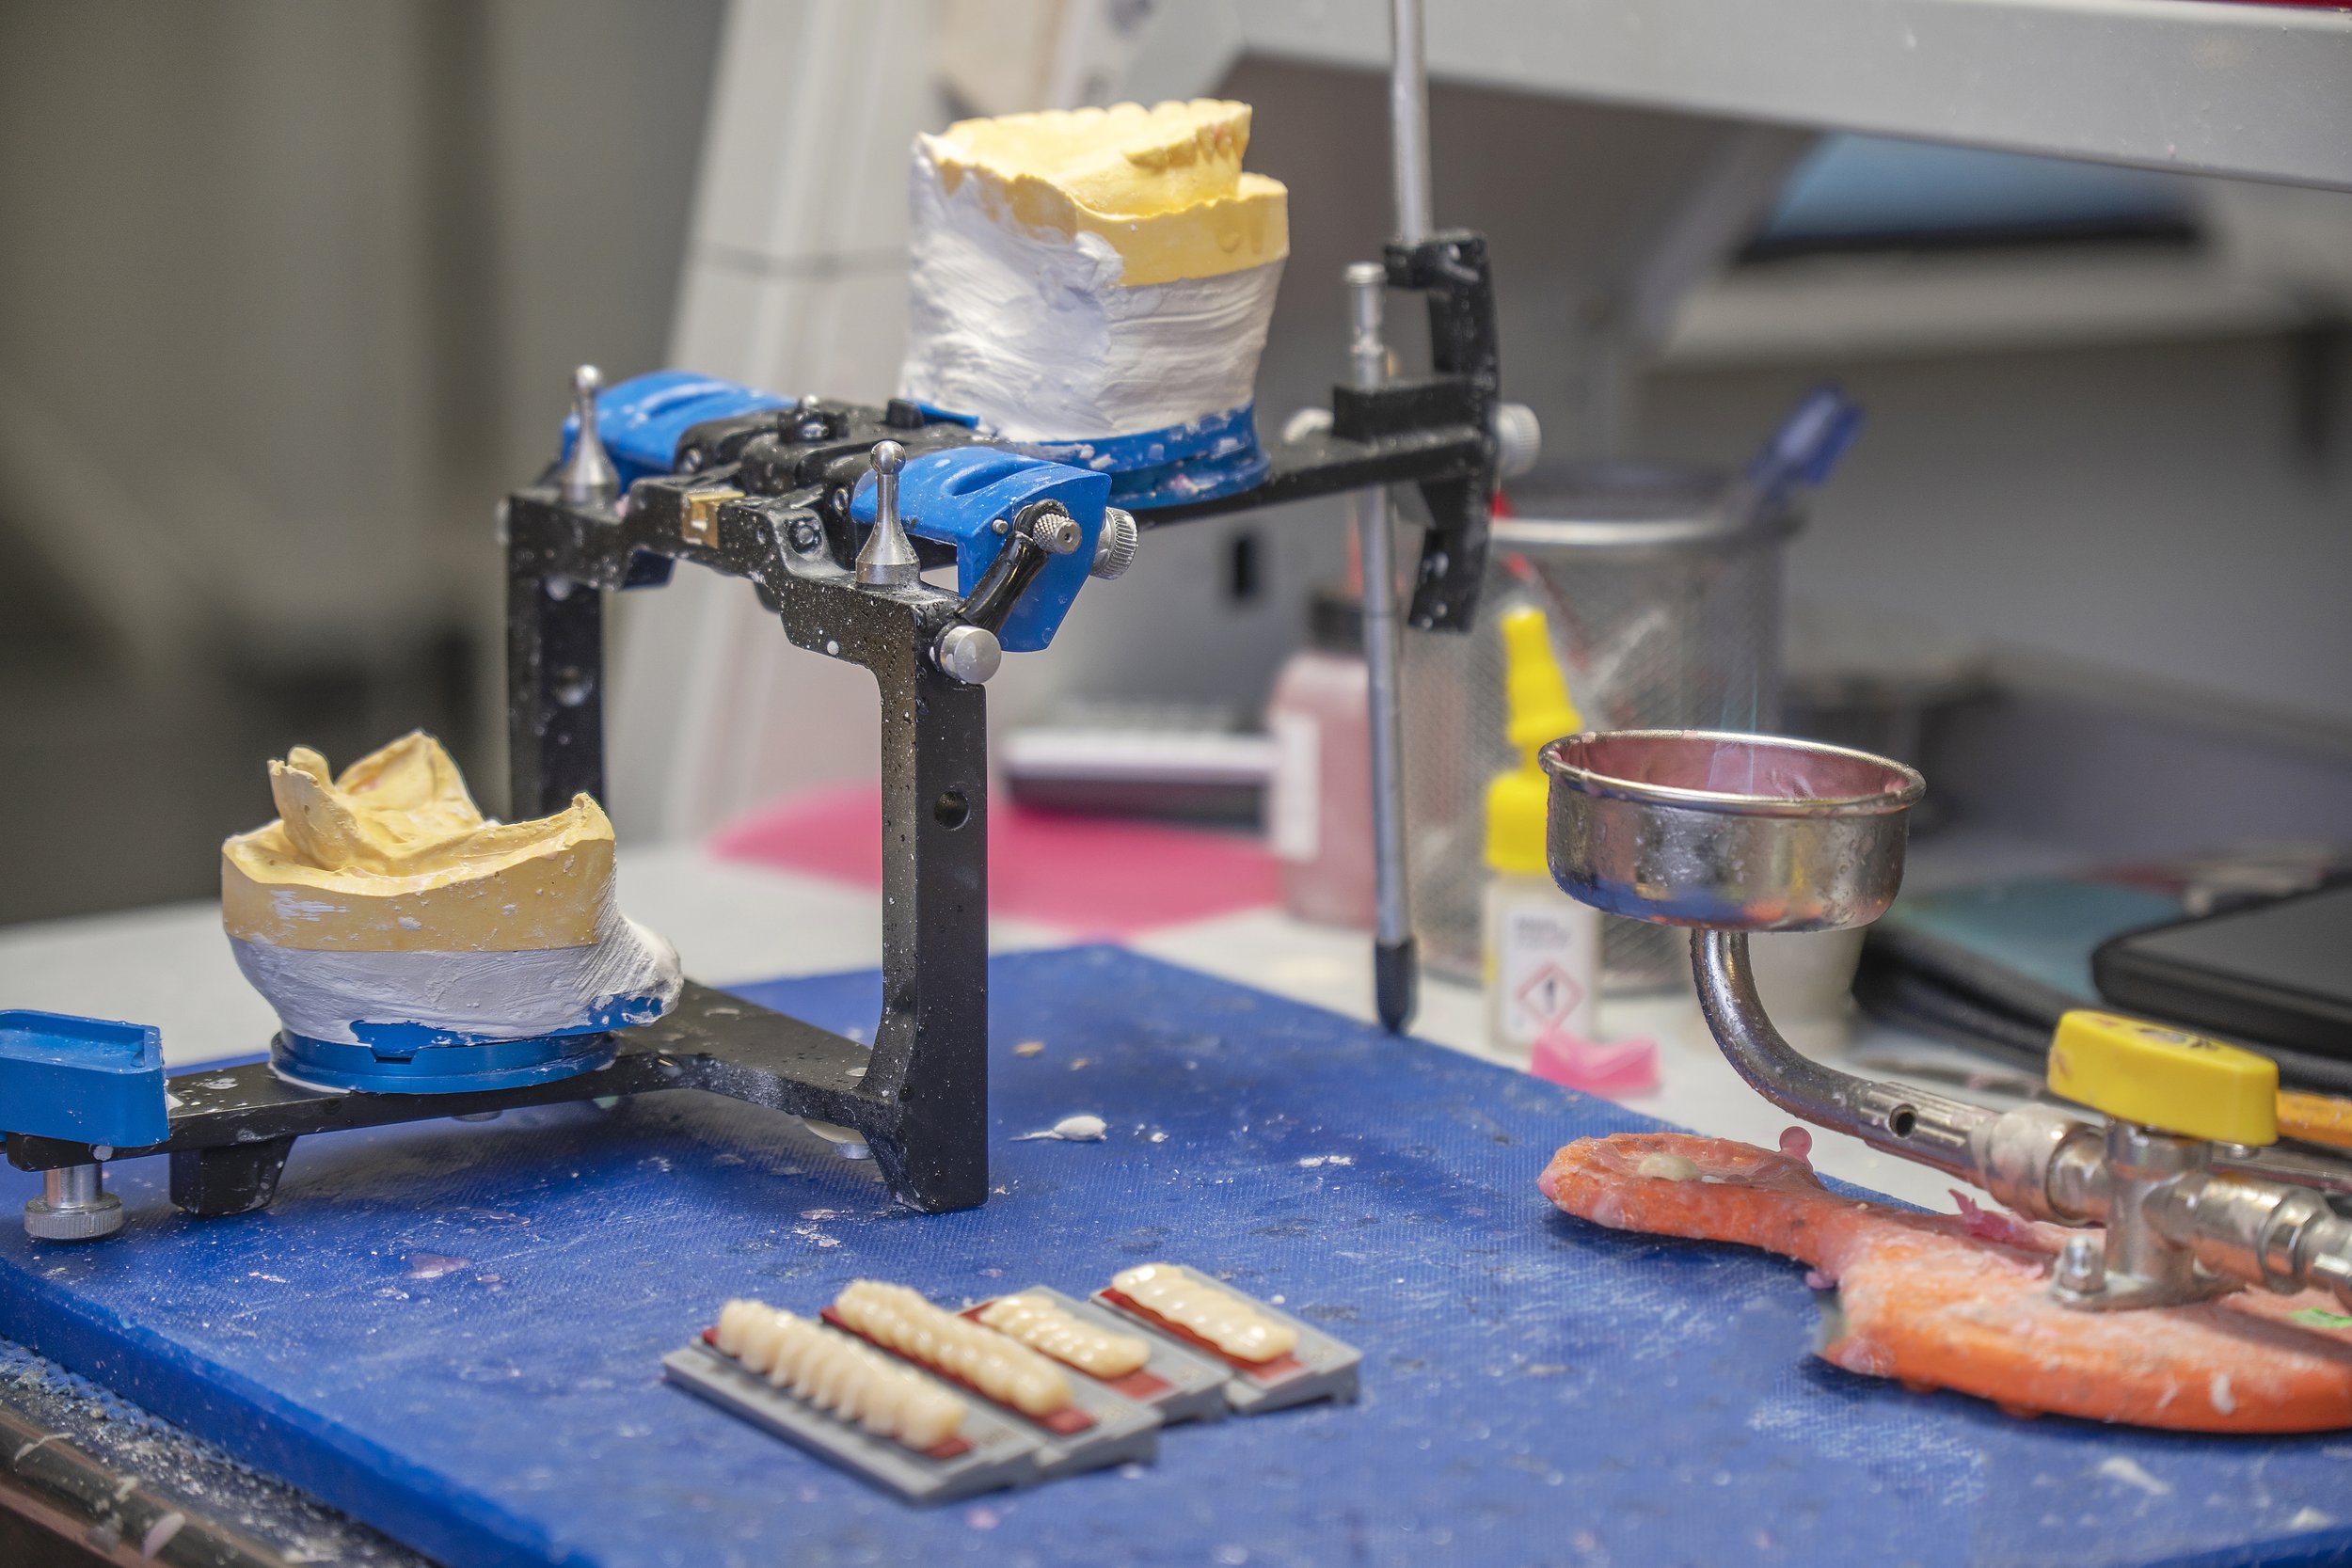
(936,1406)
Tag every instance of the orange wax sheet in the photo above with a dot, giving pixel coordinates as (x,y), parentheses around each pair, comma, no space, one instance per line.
(1962,1301)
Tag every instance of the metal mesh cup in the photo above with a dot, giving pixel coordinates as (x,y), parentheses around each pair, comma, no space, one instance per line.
(1665,612)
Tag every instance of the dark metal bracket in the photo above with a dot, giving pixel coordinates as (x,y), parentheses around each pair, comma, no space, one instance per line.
(765,496)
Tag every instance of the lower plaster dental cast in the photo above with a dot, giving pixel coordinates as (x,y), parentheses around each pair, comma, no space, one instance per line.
(408,944)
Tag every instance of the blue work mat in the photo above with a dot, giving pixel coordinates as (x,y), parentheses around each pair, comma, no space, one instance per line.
(454,1331)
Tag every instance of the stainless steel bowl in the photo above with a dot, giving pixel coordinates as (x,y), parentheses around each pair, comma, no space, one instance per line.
(1736,833)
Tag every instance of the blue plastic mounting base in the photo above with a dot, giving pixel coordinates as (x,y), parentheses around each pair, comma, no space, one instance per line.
(1215,456)
(455,1068)
(87,1080)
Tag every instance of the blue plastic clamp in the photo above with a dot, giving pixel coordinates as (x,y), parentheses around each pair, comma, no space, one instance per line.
(86,1080)
(640,420)
(957,496)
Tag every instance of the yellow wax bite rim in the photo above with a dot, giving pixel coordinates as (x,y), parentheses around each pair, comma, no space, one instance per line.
(1163,185)
(393,856)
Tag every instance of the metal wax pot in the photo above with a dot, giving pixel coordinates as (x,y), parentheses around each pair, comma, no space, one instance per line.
(1740,832)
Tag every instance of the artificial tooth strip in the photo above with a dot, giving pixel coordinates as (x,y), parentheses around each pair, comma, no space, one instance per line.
(1270,1360)
(1052,1330)
(1230,1322)
(1006,1371)
(835,1373)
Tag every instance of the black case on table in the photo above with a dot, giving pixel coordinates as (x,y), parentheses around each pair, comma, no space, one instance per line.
(2277,974)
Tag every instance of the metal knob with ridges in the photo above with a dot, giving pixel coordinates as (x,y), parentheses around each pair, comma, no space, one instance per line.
(1115,545)
(74,1206)
(1518,438)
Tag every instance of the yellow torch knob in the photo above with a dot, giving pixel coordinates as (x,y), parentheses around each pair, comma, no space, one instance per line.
(2163,1078)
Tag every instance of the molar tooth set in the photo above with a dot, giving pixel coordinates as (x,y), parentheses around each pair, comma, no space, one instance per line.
(936,1406)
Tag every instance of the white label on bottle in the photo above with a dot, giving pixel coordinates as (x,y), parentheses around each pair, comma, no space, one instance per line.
(1546,966)
(1295,800)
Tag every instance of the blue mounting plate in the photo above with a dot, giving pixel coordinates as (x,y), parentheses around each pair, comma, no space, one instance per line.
(454,1331)
(87,1079)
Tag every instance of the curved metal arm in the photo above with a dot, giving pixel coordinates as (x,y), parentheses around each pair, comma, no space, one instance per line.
(2040,1162)
(1892,1116)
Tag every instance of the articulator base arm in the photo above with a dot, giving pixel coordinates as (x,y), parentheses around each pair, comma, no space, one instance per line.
(231,1130)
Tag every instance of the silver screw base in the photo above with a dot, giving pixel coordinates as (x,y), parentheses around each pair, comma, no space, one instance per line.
(74,1206)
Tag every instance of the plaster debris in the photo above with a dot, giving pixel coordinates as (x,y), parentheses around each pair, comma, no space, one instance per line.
(2130,1474)
(1667,1168)
(1079,1129)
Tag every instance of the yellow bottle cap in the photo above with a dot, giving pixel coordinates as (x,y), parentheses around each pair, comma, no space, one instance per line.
(1517,803)
(2168,1078)
(1534,687)
(1540,712)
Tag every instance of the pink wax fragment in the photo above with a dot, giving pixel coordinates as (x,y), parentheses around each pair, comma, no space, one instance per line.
(1615,1067)
(1990,1224)
(1796,1144)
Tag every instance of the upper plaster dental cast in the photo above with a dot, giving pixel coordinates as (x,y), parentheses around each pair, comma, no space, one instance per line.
(383,910)
(1098,283)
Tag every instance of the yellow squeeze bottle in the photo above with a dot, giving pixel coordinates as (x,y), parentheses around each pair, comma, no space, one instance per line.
(1542,958)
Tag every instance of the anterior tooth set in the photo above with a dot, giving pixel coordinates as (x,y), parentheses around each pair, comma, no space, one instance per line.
(1022,1388)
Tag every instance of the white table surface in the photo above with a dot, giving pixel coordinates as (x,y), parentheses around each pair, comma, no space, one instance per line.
(733,923)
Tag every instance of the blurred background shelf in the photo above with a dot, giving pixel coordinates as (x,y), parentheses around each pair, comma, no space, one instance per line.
(2254,91)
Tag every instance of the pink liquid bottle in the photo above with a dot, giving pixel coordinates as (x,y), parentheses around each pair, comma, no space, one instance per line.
(1319,808)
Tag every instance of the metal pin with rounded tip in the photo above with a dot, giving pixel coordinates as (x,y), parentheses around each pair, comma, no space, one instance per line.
(587,476)
(888,559)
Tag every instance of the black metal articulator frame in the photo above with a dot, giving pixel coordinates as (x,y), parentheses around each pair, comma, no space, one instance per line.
(766,498)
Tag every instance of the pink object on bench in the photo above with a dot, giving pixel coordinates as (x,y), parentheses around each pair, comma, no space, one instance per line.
(1616,1068)
(1093,875)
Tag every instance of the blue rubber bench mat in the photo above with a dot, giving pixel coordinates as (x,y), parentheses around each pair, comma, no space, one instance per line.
(454,1331)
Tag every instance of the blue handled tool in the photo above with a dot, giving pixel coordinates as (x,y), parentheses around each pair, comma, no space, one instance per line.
(1806,446)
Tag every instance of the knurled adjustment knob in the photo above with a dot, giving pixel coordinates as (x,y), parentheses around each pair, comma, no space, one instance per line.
(1115,545)
(74,1206)
(2163,1078)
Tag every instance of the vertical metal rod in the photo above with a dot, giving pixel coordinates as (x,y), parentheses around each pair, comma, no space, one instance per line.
(1394,974)
(1408,119)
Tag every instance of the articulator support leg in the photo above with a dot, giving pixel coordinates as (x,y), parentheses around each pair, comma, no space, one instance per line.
(233,1181)
(920,1096)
